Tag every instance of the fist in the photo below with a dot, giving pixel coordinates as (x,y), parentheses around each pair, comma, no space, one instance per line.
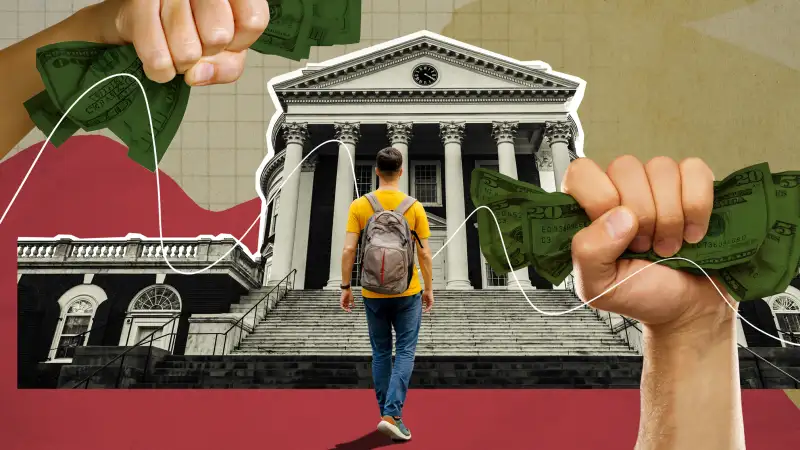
(206,40)
(658,205)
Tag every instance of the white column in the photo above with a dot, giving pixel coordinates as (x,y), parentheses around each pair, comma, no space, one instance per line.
(399,134)
(295,135)
(303,221)
(544,164)
(504,134)
(559,134)
(348,133)
(452,134)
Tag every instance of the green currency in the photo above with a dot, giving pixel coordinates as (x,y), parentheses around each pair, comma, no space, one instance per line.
(288,31)
(340,20)
(738,223)
(70,69)
(770,269)
(750,245)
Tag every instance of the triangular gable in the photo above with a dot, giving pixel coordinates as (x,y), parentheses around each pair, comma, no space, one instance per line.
(435,221)
(505,73)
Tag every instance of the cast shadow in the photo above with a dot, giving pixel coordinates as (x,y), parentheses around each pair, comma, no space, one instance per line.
(368,442)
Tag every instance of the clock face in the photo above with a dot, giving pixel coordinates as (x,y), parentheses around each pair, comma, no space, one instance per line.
(425,75)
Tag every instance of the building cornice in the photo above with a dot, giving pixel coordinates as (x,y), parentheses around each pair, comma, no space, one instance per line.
(441,96)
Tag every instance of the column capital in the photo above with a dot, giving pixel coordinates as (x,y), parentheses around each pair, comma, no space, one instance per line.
(452,132)
(504,132)
(544,160)
(295,132)
(399,132)
(309,165)
(348,132)
(558,132)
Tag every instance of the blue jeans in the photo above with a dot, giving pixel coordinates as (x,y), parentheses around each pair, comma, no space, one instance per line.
(405,315)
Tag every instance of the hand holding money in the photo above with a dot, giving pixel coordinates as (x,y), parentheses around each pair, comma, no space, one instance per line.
(633,206)
(748,242)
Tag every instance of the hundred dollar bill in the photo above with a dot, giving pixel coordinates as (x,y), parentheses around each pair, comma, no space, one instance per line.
(772,268)
(70,69)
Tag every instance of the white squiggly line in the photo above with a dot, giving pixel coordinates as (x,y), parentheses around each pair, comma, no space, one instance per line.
(352,166)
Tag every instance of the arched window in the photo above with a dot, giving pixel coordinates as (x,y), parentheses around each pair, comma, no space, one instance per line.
(157,298)
(786,309)
(78,307)
(149,314)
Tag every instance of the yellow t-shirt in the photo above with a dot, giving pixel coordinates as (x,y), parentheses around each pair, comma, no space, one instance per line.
(361,211)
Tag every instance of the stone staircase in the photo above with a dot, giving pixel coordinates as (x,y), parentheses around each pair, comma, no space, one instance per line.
(462,323)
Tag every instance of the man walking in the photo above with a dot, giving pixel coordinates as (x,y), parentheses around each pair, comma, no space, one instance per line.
(394,227)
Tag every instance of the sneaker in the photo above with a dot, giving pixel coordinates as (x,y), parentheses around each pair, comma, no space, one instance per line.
(394,428)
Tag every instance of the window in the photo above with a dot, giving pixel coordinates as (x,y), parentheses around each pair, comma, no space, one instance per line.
(365,179)
(148,315)
(493,279)
(273,221)
(78,307)
(426,183)
(157,298)
(76,324)
(786,309)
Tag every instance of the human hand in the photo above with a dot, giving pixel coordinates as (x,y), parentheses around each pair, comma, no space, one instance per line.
(637,206)
(346,300)
(206,40)
(427,300)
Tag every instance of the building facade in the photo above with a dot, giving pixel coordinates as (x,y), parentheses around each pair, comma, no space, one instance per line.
(447,106)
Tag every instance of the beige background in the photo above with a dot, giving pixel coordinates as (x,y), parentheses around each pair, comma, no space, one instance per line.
(718,79)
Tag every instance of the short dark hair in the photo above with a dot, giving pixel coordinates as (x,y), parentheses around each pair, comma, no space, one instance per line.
(389,161)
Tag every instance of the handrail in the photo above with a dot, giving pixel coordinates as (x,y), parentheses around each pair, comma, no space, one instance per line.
(122,355)
(292,273)
(91,330)
(239,322)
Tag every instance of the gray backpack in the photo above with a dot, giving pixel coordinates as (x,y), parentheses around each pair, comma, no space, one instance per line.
(387,249)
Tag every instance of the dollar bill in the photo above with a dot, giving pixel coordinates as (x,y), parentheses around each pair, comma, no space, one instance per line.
(773,267)
(45,115)
(738,223)
(509,214)
(289,29)
(70,69)
(337,22)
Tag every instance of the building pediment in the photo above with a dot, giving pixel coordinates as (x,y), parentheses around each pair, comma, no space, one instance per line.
(385,71)
(435,221)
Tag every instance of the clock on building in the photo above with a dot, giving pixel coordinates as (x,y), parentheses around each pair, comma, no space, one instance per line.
(425,75)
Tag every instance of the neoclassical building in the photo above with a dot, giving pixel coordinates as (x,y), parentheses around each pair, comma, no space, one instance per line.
(449,108)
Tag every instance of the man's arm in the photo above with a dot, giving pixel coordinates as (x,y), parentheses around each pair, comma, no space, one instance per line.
(690,391)
(349,256)
(20,78)
(425,258)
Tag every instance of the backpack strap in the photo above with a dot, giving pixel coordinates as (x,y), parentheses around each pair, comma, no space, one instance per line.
(405,205)
(373,200)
